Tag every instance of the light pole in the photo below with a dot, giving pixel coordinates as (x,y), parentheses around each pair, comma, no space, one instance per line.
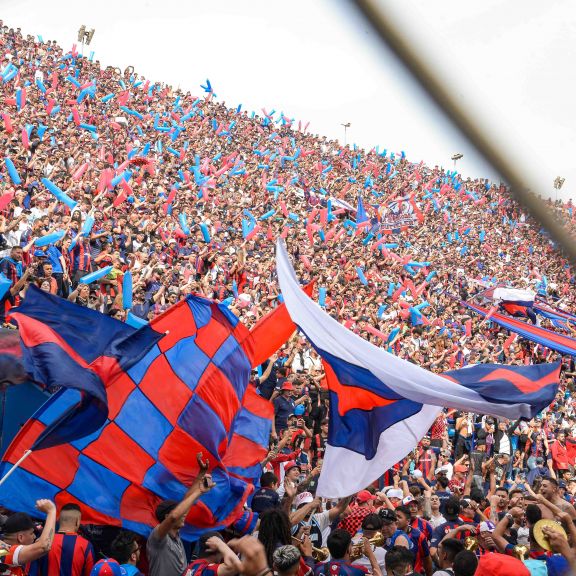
(346,126)
(85,36)
(457,157)
(558,183)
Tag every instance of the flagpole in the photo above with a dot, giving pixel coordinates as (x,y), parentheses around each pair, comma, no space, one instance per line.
(7,475)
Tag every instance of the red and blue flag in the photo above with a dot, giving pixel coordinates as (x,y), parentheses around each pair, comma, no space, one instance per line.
(381,405)
(188,393)
(553,340)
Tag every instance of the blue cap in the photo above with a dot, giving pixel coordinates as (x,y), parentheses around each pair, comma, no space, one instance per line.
(299,410)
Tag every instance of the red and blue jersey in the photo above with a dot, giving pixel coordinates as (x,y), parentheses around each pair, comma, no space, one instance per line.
(201,567)
(421,548)
(423,525)
(81,257)
(70,555)
(339,568)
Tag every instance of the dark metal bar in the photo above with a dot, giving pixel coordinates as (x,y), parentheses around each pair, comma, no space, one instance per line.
(471,130)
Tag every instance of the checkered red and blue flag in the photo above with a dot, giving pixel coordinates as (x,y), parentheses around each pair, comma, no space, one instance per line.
(186,392)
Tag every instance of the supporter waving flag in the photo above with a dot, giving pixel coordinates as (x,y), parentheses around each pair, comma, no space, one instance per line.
(188,394)
(382,405)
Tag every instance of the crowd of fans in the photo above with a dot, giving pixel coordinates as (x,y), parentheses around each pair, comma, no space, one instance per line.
(189,195)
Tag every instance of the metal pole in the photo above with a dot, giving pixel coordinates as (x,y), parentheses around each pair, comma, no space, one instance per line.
(15,467)
(402,47)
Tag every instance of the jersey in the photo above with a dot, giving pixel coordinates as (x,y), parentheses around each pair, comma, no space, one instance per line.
(420,549)
(423,525)
(201,567)
(10,564)
(339,568)
(70,555)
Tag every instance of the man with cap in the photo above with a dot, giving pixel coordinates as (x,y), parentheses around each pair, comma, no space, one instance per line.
(18,534)
(292,473)
(284,405)
(371,525)
(363,506)
(165,550)
(214,558)
(392,534)
(458,480)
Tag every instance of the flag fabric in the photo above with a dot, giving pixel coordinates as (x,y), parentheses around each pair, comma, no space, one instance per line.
(548,338)
(69,346)
(514,301)
(272,331)
(381,405)
(188,394)
(361,211)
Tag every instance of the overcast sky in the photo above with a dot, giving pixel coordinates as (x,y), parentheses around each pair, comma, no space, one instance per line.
(510,61)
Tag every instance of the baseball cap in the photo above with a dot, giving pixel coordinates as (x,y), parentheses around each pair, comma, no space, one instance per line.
(299,410)
(408,499)
(486,526)
(364,496)
(303,498)
(17,522)
(395,493)
(107,567)
(388,516)
(289,465)
(459,468)
(495,564)
(287,386)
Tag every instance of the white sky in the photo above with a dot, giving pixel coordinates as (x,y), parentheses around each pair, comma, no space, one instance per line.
(510,61)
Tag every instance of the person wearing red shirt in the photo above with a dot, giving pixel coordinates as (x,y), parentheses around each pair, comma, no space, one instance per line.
(561,461)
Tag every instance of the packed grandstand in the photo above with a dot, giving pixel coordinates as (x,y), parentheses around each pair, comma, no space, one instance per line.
(125,196)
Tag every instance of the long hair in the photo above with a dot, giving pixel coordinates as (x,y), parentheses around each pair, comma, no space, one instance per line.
(274,531)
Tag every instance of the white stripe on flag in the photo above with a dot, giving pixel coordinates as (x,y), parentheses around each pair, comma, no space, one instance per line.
(405,378)
(345,472)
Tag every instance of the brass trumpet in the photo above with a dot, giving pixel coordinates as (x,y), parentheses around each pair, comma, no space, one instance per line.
(521,551)
(319,554)
(358,549)
(470,543)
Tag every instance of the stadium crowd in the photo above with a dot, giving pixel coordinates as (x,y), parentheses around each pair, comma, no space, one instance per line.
(189,195)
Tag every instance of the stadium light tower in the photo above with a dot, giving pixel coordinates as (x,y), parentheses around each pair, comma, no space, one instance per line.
(457,157)
(558,183)
(85,36)
(346,126)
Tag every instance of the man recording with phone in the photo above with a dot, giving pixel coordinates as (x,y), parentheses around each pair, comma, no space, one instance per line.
(164,548)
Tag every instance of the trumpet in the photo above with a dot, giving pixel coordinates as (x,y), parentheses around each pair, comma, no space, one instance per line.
(358,549)
(470,543)
(319,554)
(520,552)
